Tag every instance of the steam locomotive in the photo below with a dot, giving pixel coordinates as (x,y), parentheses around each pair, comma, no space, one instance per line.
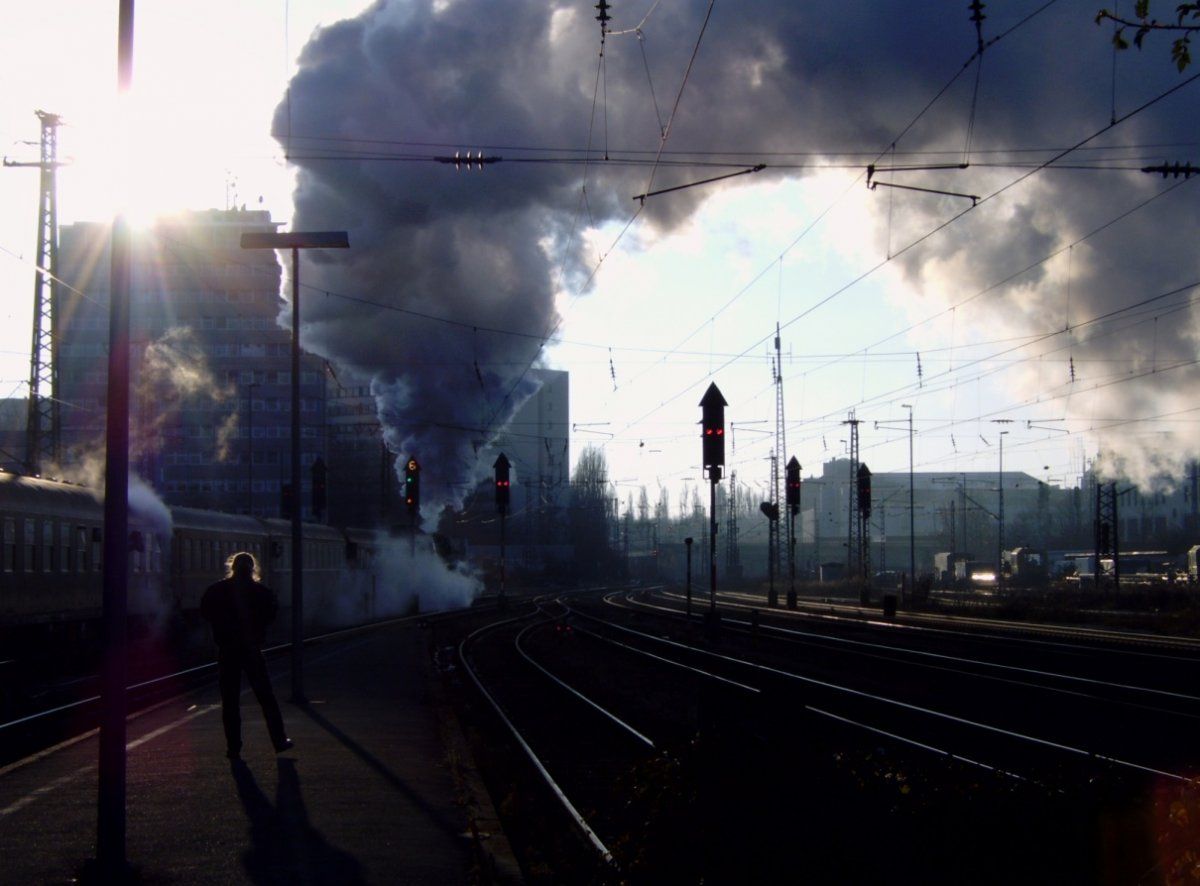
(51,559)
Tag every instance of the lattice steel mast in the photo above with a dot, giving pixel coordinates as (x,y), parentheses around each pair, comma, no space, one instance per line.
(777,453)
(42,418)
(733,551)
(780,455)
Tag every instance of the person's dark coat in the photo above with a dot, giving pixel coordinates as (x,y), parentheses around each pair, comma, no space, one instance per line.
(239,609)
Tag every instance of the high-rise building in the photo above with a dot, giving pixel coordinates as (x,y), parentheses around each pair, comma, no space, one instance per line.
(363,489)
(210,392)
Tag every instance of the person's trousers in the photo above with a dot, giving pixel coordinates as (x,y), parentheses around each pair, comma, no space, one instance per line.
(231,663)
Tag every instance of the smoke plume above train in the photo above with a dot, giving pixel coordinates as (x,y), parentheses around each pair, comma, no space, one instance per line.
(453,275)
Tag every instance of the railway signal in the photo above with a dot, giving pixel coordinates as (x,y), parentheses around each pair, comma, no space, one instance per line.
(712,425)
(793,486)
(864,490)
(793,503)
(412,485)
(501,467)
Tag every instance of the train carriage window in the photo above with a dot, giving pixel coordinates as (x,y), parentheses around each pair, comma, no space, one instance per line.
(47,545)
(10,544)
(30,545)
(81,549)
(64,549)
(156,548)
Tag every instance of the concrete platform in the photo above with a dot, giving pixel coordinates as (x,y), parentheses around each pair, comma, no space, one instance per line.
(374,791)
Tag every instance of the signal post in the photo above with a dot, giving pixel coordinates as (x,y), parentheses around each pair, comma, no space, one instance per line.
(793,503)
(501,467)
(712,424)
(412,497)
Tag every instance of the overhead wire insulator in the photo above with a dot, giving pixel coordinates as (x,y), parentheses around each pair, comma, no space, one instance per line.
(468,160)
(977,17)
(1173,170)
(603,17)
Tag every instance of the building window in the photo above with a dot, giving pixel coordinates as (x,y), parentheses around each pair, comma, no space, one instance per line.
(80,549)
(10,544)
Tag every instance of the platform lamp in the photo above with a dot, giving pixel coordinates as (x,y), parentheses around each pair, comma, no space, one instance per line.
(295,241)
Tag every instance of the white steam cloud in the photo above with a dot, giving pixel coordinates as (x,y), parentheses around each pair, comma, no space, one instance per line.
(788,83)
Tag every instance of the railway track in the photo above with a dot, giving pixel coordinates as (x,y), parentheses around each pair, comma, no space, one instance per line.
(1031,716)
(615,699)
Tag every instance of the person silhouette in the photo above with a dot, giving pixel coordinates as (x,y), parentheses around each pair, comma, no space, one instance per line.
(239,608)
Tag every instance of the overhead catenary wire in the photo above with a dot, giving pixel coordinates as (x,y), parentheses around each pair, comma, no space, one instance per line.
(829,208)
(931,233)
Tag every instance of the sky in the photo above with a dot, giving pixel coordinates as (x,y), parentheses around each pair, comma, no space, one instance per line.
(1038,291)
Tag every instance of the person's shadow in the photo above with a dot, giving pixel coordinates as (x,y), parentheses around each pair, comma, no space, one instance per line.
(285,848)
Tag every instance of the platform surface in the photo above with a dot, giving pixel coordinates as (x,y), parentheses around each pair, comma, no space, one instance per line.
(365,796)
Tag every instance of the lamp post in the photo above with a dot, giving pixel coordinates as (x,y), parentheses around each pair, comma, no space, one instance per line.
(688,544)
(111,823)
(912,509)
(1000,515)
(295,241)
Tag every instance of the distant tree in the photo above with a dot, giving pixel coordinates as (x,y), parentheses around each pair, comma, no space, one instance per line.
(662,510)
(643,508)
(1143,23)
(590,530)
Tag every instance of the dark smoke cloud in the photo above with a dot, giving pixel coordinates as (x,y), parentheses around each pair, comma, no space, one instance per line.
(487,247)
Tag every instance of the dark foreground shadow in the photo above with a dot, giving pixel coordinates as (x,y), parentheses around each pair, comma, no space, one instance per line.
(285,848)
(450,827)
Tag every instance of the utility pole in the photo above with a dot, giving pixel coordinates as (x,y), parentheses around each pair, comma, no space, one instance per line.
(1000,534)
(111,862)
(912,508)
(1000,510)
(688,544)
(42,422)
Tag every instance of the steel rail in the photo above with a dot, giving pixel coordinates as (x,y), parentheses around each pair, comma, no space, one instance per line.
(575,692)
(919,709)
(1182,643)
(558,792)
(921,653)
